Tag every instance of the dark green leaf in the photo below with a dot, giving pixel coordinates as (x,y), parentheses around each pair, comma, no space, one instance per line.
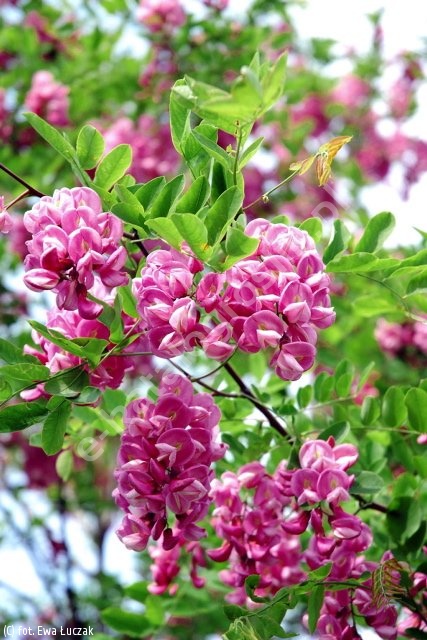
(315,602)
(20,416)
(416,403)
(132,624)
(10,354)
(394,411)
(24,372)
(147,192)
(55,425)
(367,483)
(68,383)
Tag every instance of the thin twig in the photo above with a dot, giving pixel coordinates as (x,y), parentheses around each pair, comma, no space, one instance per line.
(32,191)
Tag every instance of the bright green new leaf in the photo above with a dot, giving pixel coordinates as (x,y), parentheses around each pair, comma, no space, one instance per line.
(377,231)
(113,166)
(89,146)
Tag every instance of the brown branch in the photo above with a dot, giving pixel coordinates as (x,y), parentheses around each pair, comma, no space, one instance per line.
(31,190)
(248,393)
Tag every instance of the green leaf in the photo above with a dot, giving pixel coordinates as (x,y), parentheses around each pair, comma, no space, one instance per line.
(89,146)
(24,372)
(249,152)
(194,233)
(127,300)
(233,611)
(147,192)
(21,416)
(304,395)
(370,410)
(129,208)
(55,425)
(67,383)
(194,199)
(367,483)
(313,227)
(132,624)
(315,602)
(162,205)
(323,387)
(416,403)
(394,411)
(375,304)
(321,572)
(273,82)
(179,115)
(215,151)
(64,464)
(165,228)
(360,262)
(343,384)
(338,430)
(377,231)
(239,245)
(338,243)
(52,136)
(11,354)
(5,391)
(113,166)
(222,213)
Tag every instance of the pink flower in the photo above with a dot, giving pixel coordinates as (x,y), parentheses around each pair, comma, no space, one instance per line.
(6,222)
(164,463)
(161,15)
(74,247)
(48,99)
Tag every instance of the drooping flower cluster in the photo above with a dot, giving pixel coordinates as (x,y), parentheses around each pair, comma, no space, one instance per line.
(272,299)
(406,341)
(164,465)
(152,150)
(261,516)
(275,298)
(249,517)
(48,99)
(74,246)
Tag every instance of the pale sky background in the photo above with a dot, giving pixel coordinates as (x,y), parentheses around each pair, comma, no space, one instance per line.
(405,24)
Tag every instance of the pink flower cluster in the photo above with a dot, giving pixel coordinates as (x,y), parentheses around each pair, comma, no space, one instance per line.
(48,99)
(407,340)
(161,15)
(166,565)
(152,151)
(70,324)
(75,245)
(255,542)
(261,533)
(164,465)
(273,299)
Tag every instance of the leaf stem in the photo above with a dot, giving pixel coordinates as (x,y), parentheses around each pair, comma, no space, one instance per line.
(266,195)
